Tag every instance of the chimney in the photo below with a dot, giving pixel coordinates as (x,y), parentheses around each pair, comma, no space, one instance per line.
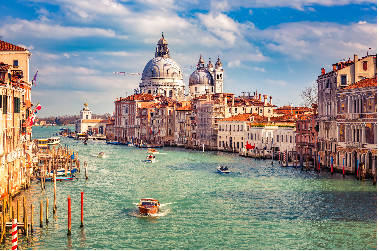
(322,71)
(265,99)
(334,67)
(356,71)
(270,100)
(260,98)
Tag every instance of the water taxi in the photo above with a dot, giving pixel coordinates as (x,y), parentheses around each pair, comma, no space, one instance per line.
(150,158)
(53,141)
(152,151)
(148,206)
(41,143)
(101,155)
(223,170)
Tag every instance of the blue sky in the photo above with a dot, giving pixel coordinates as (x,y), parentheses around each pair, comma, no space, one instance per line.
(275,47)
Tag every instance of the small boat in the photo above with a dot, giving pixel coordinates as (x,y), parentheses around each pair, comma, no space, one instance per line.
(58,178)
(85,142)
(223,170)
(150,158)
(152,151)
(101,155)
(60,172)
(53,141)
(148,206)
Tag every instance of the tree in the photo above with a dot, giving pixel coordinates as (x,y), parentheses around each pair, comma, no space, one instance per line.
(309,95)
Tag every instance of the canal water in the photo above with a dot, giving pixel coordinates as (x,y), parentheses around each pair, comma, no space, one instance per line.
(257,206)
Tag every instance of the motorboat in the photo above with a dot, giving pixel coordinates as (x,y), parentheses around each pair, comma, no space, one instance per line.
(53,141)
(101,155)
(150,158)
(223,170)
(148,206)
(152,151)
(61,172)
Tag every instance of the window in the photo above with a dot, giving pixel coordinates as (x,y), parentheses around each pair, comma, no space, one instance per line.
(235,110)
(282,138)
(260,110)
(290,139)
(277,138)
(286,139)
(126,109)
(238,144)
(365,65)
(15,63)
(220,76)
(343,80)
(86,116)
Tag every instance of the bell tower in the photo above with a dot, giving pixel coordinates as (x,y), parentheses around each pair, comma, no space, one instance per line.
(218,77)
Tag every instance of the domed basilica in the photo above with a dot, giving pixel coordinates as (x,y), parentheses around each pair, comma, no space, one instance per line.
(162,76)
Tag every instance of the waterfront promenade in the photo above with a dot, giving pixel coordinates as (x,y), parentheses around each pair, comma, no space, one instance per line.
(257,206)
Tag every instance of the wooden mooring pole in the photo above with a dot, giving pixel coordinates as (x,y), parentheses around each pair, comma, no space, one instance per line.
(81,209)
(41,214)
(69,216)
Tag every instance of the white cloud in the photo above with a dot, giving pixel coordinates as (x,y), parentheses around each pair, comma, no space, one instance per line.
(45,30)
(276,82)
(233,64)
(259,69)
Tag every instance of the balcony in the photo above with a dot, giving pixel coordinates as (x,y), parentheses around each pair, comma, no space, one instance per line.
(354,144)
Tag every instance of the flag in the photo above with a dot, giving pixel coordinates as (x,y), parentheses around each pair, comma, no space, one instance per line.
(38,107)
(35,79)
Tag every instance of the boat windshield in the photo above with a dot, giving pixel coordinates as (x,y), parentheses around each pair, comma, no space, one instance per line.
(147,203)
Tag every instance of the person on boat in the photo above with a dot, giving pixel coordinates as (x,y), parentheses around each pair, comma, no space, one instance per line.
(222,168)
(226,168)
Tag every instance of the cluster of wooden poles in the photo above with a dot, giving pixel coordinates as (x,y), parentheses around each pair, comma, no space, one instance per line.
(12,214)
(53,159)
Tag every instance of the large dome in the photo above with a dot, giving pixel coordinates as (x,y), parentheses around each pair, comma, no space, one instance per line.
(200,77)
(162,67)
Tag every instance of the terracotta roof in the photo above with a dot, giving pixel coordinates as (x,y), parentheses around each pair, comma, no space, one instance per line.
(363,83)
(4,67)
(139,97)
(185,108)
(4,46)
(241,117)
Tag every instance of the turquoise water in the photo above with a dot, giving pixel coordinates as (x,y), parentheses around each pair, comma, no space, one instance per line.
(257,206)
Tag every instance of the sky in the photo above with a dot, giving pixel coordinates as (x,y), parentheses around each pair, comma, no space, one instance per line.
(275,47)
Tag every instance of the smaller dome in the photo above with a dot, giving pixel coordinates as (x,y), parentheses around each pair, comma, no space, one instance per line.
(200,77)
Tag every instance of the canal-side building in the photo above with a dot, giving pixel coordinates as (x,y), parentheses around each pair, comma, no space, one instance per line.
(127,126)
(86,124)
(343,75)
(357,126)
(182,115)
(17,117)
(306,135)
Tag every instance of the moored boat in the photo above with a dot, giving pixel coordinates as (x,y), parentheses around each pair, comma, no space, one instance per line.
(58,178)
(60,172)
(148,206)
(53,141)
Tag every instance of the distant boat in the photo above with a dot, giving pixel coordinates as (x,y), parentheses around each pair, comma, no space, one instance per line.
(150,158)
(222,170)
(101,155)
(152,151)
(148,206)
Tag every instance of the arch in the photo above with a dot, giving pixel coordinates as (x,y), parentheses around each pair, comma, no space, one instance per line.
(353,161)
